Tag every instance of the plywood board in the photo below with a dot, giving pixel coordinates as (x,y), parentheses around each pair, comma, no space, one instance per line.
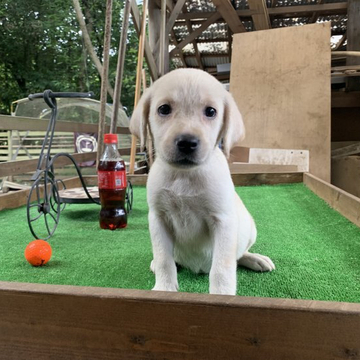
(280,80)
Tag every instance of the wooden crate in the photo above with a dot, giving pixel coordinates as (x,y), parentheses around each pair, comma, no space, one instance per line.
(39,321)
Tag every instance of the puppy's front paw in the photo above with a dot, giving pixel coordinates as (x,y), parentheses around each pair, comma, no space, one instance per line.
(256,262)
(166,287)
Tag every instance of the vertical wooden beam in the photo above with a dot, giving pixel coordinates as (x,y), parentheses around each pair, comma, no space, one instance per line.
(194,43)
(149,144)
(170,23)
(353,41)
(154,31)
(120,66)
(261,19)
(104,79)
(148,54)
(163,36)
(176,43)
(139,67)
(230,39)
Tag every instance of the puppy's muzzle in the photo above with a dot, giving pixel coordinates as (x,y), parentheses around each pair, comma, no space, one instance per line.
(187,144)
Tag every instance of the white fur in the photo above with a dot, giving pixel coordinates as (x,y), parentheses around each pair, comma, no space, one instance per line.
(196,219)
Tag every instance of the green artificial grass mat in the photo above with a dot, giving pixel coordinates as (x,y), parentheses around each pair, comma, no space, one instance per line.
(315,249)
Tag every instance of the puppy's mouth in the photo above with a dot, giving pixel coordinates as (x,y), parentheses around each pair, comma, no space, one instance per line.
(184,162)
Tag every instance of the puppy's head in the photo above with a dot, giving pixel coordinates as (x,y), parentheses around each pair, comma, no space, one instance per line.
(188,112)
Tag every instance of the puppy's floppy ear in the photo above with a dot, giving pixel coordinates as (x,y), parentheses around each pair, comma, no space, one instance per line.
(233,125)
(140,118)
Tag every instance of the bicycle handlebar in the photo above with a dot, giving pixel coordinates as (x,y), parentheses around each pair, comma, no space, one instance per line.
(53,95)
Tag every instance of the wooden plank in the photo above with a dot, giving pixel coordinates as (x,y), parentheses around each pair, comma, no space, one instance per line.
(261,19)
(339,8)
(346,151)
(25,123)
(241,168)
(335,54)
(346,204)
(148,54)
(228,12)
(195,33)
(40,321)
(23,166)
(277,114)
(266,179)
(345,67)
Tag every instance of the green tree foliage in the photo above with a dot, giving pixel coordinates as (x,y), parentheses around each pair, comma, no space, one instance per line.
(41,48)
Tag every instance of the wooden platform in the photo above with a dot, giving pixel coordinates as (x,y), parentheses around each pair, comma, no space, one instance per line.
(78,195)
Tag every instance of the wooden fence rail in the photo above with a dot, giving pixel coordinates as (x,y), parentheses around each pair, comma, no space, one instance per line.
(25,123)
(23,166)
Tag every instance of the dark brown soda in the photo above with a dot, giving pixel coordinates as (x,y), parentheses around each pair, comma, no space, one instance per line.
(113,214)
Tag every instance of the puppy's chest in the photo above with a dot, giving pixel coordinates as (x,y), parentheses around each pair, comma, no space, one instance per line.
(185,213)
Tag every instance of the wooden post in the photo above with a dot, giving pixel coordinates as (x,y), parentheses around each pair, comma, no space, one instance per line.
(162,38)
(120,66)
(154,31)
(149,146)
(104,79)
(138,80)
(353,41)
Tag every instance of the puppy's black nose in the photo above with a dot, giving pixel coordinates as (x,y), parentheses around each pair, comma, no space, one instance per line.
(187,144)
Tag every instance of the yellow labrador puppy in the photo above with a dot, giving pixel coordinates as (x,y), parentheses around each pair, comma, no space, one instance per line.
(196,219)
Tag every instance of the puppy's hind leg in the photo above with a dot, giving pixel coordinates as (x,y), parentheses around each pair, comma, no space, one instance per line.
(256,262)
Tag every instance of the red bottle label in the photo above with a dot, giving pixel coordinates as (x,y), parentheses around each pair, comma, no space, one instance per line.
(112,179)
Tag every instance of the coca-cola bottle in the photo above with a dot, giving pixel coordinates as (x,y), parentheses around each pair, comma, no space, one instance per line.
(112,186)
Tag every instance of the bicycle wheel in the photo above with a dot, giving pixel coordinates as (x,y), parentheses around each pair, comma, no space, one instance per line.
(43,209)
(129,197)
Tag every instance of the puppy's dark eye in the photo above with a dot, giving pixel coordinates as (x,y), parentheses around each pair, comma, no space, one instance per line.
(164,110)
(210,112)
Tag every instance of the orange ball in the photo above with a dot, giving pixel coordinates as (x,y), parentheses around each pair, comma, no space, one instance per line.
(38,252)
